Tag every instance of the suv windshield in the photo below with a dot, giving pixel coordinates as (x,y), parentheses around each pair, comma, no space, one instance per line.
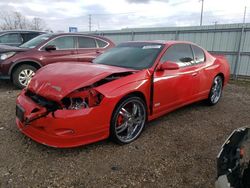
(36,41)
(138,55)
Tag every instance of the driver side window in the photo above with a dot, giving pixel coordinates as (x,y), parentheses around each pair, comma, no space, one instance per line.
(63,43)
(179,53)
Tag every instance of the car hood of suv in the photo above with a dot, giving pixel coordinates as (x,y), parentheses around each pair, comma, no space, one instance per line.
(6,48)
(57,80)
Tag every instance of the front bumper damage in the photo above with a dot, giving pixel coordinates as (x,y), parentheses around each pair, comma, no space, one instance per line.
(62,127)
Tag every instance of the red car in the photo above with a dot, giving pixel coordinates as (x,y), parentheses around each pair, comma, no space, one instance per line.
(67,105)
(20,63)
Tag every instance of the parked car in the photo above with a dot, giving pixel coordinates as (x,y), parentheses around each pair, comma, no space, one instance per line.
(17,37)
(20,63)
(233,161)
(67,105)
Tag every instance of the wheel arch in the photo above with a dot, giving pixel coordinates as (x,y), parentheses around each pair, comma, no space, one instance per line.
(136,94)
(222,76)
(24,62)
(133,94)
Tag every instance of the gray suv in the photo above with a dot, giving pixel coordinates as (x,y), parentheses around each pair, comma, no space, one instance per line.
(17,37)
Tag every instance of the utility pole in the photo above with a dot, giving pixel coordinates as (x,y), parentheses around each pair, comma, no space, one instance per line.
(202,3)
(244,17)
(90,22)
(236,67)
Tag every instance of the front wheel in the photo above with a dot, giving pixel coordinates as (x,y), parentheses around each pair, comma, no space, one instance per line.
(22,75)
(216,91)
(128,120)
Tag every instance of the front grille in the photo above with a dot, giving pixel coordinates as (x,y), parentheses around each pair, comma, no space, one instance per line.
(42,101)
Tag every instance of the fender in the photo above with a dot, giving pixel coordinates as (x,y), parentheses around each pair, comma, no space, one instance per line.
(137,82)
(22,61)
(141,86)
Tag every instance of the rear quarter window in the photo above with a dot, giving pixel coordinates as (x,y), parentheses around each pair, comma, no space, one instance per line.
(101,44)
(199,55)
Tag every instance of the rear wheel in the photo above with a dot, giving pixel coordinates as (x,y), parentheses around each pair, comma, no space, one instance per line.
(216,91)
(128,120)
(22,75)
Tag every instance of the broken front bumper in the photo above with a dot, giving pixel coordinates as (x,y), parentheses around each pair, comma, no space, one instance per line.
(62,128)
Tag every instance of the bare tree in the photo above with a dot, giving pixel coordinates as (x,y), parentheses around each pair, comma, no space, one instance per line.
(12,20)
(38,24)
(15,20)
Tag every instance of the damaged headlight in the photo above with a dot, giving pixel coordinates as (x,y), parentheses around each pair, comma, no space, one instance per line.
(77,103)
(82,98)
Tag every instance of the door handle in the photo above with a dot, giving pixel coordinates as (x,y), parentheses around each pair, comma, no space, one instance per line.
(195,74)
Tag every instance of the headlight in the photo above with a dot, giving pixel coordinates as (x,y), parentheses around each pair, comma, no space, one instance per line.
(6,55)
(82,98)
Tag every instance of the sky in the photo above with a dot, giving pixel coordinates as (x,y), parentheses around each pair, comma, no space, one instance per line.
(59,15)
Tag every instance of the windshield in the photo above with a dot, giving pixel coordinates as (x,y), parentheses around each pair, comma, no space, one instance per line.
(35,41)
(138,55)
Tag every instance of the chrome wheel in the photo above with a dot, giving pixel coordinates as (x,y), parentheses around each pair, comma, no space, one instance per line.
(25,76)
(216,90)
(129,120)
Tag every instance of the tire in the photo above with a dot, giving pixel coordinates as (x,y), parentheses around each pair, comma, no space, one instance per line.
(215,91)
(22,75)
(128,120)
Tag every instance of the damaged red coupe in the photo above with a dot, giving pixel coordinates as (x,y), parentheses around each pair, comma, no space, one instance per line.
(68,105)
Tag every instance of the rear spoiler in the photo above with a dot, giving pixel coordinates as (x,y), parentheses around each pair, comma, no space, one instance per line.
(218,55)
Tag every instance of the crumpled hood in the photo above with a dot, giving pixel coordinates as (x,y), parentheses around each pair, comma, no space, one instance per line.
(6,48)
(57,80)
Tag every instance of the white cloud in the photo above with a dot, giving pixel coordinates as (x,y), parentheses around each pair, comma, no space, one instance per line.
(116,14)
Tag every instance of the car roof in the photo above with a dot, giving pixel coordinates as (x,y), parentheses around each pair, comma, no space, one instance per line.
(169,42)
(21,31)
(77,34)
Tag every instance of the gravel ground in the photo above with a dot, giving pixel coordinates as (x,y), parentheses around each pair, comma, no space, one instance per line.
(177,150)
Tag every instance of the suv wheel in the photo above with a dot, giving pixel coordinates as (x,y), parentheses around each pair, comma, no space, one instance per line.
(22,75)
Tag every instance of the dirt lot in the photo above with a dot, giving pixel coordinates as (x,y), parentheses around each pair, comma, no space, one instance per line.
(177,150)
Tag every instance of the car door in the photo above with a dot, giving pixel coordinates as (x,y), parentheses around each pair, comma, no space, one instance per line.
(65,50)
(200,64)
(173,88)
(11,39)
(89,48)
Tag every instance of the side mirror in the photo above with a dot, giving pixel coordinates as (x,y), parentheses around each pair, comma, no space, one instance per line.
(50,47)
(168,65)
